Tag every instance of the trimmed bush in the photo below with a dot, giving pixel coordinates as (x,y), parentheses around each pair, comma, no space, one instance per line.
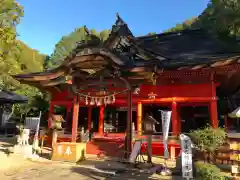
(208,139)
(205,171)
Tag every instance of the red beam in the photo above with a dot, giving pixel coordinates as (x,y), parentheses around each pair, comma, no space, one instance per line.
(179,99)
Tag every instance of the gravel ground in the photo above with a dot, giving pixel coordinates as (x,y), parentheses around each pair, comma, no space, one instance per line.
(15,167)
(49,171)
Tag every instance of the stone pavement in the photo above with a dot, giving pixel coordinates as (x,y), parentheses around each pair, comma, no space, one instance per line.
(15,167)
(90,170)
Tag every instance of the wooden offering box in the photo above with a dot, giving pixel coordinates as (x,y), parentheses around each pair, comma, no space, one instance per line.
(70,152)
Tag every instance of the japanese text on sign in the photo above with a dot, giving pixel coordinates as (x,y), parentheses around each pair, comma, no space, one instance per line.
(68,151)
(186,146)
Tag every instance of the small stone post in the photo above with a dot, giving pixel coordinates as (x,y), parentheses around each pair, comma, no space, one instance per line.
(82,134)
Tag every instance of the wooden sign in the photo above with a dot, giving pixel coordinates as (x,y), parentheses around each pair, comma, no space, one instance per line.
(235,169)
(71,152)
(187,167)
(135,152)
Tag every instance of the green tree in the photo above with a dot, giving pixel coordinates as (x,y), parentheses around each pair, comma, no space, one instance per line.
(68,43)
(10,14)
(104,34)
(15,56)
(186,24)
(222,17)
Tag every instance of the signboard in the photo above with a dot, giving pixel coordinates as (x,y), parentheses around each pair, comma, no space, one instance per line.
(186,146)
(35,141)
(70,152)
(166,116)
(135,151)
(134,108)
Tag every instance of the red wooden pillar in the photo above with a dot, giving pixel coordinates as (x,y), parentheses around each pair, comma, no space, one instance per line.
(213,113)
(174,119)
(213,106)
(89,118)
(179,120)
(51,111)
(139,118)
(75,119)
(129,125)
(101,121)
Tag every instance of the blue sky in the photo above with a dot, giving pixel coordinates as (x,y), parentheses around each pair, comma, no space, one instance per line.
(46,21)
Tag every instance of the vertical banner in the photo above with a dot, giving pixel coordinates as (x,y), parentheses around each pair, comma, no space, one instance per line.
(38,126)
(35,141)
(166,116)
(186,146)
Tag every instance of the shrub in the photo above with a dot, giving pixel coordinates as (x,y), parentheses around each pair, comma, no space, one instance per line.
(208,139)
(205,171)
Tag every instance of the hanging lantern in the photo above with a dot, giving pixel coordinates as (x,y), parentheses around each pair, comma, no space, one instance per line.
(99,103)
(105,100)
(95,100)
(92,102)
(108,100)
(86,100)
(113,99)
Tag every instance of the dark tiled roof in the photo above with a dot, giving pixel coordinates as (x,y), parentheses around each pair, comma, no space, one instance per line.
(189,47)
(10,97)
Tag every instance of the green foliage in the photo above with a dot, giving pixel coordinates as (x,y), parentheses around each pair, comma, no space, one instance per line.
(208,139)
(68,43)
(104,35)
(31,92)
(186,24)
(152,33)
(220,17)
(205,171)
(10,14)
(26,60)
(15,56)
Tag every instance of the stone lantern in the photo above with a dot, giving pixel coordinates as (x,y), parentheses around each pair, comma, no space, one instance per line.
(149,124)
(149,128)
(57,121)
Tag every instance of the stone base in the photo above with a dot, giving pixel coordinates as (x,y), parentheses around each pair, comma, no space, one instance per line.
(24,150)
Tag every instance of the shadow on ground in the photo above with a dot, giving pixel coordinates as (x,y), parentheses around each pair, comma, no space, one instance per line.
(124,175)
(6,143)
(111,170)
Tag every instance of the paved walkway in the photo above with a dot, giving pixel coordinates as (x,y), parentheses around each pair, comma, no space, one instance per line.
(15,167)
(89,170)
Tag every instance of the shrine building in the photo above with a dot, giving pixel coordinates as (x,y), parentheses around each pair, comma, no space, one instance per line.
(109,86)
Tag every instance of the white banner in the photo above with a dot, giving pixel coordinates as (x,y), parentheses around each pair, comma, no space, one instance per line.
(38,126)
(166,117)
(186,147)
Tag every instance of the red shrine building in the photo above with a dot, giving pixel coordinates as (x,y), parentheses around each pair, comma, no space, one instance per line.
(108,86)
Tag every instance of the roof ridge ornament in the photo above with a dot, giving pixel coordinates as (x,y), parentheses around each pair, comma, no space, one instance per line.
(87,30)
(119,20)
